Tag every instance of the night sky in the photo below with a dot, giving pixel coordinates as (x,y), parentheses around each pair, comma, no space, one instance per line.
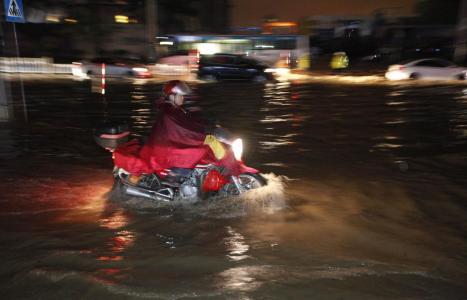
(251,12)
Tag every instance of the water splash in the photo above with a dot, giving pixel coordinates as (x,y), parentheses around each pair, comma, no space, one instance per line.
(268,199)
(265,200)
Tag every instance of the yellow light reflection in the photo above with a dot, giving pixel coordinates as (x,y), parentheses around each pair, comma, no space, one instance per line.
(53,18)
(393,103)
(396,121)
(236,245)
(281,24)
(276,143)
(139,97)
(387,145)
(121,19)
(272,119)
(70,20)
(242,278)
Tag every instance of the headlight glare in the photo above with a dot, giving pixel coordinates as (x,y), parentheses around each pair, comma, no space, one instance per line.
(237,148)
(137,69)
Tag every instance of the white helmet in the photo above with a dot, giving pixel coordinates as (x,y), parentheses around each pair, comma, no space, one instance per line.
(175,87)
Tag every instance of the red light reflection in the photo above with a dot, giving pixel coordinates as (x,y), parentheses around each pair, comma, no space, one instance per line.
(110,258)
(122,239)
(117,220)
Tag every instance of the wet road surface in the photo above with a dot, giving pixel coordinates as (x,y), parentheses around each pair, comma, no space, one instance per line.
(370,179)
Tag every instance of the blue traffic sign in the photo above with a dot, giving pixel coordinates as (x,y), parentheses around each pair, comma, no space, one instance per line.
(14,11)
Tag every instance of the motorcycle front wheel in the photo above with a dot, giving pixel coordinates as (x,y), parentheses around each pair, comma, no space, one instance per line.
(247,181)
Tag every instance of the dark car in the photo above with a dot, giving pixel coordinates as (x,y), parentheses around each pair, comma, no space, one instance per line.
(230,66)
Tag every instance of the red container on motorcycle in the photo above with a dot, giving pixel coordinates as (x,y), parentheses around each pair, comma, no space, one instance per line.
(110,136)
(213,181)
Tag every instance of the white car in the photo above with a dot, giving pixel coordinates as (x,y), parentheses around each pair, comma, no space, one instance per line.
(112,68)
(177,64)
(428,68)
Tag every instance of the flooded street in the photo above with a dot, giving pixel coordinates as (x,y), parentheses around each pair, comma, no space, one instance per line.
(368,185)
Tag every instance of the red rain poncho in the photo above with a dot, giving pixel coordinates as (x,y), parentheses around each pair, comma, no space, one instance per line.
(177,140)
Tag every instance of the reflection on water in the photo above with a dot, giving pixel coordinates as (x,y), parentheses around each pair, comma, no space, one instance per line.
(460,119)
(122,239)
(242,278)
(396,121)
(236,245)
(355,222)
(279,98)
(396,103)
(276,143)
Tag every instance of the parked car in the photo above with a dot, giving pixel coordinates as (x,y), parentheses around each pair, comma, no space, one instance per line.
(113,67)
(231,66)
(180,62)
(181,57)
(428,68)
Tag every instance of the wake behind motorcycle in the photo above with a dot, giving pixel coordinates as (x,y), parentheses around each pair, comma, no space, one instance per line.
(205,180)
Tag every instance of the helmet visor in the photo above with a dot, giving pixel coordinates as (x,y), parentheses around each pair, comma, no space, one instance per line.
(181,88)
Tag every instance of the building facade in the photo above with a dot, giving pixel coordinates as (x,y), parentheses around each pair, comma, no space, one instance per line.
(89,28)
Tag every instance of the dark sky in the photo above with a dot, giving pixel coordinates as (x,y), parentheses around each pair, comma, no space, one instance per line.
(251,12)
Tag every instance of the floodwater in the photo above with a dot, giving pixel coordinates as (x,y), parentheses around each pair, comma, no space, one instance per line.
(368,197)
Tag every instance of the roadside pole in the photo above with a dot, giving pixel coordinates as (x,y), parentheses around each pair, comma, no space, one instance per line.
(151,27)
(98,86)
(23,97)
(460,52)
(103,79)
(104,99)
(14,13)
(6,109)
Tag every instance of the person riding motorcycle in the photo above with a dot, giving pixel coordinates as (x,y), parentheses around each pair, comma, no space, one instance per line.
(183,158)
(178,139)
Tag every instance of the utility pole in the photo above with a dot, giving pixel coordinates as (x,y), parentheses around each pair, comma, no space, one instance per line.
(14,13)
(151,27)
(5,107)
(460,51)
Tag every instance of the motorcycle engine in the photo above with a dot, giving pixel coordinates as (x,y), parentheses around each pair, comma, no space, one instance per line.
(188,191)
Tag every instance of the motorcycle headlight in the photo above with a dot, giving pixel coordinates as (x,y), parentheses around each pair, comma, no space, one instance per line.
(237,148)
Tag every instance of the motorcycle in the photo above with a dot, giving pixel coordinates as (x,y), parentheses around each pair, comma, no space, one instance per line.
(205,180)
